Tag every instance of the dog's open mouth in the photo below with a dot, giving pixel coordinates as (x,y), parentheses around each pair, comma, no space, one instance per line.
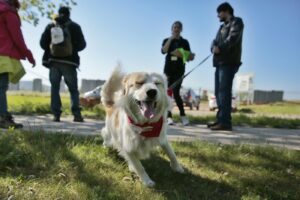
(147,108)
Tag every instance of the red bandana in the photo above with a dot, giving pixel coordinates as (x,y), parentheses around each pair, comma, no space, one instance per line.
(156,127)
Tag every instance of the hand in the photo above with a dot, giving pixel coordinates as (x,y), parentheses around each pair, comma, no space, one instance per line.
(172,37)
(191,57)
(30,58)
(176,53)
(216,50)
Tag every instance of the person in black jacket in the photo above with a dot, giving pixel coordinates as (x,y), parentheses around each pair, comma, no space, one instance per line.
(227,51)
(63,66)
(175,66)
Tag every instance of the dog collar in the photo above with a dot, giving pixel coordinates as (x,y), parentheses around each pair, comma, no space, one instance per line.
(156,127)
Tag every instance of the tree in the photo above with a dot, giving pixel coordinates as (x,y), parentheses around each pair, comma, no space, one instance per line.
(32,10)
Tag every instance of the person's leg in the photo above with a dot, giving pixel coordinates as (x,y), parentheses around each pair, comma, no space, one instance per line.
(70,77)
(211,124)
(179,102)
(55,79)
(226,75)
(170,81)
(6,119)
(3,89)
(178,99)
(217,83)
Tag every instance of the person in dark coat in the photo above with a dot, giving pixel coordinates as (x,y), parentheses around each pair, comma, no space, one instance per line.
(63,66)
(227,51)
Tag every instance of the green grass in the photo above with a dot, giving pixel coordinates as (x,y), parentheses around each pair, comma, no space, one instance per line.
(245,120)
(279,108)
(35,103)
(56,166)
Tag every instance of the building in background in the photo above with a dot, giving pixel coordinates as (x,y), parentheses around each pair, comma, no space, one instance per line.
(245,88)
(262,97)
(37,85)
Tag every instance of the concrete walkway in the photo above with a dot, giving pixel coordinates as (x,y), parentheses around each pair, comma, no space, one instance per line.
(286,138)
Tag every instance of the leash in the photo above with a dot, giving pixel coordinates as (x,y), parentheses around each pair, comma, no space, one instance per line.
(38,75)
(185,75)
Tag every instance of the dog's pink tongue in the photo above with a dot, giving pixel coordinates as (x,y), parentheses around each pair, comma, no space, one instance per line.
(148,110)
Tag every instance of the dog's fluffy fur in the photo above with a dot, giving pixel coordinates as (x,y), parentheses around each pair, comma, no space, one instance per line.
(142,97)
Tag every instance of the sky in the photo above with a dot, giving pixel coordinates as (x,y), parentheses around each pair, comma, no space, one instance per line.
(132,31)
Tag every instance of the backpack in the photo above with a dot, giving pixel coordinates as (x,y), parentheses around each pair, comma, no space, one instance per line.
(61,43)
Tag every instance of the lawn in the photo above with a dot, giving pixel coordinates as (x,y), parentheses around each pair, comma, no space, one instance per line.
(279,108)
(56,166)
(36,103)
(39,103)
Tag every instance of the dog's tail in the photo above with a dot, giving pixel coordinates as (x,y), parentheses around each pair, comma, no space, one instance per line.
(111,86)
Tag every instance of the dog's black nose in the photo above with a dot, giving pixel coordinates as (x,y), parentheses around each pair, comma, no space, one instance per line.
(151,93)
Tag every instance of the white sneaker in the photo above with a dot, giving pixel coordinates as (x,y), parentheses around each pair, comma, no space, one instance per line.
(184,120)
(170,121)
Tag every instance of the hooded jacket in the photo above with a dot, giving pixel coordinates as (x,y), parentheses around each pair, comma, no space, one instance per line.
(12,43)
(77,39)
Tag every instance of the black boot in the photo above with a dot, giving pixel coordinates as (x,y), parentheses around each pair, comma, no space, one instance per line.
(78,118)
(7,121)
(56,118)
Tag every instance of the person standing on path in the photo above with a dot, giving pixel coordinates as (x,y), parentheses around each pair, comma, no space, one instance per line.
(12,50)
(61,42)
(175,65)
(227,51)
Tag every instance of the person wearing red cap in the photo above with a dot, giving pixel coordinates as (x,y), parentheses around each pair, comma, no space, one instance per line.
(12,50)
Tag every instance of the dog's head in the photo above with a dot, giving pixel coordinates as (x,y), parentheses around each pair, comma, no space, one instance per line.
(145,95)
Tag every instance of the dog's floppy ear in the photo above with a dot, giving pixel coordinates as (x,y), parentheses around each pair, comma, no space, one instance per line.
(125,84)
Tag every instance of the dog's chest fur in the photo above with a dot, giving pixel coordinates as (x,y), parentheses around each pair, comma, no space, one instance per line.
(127,136)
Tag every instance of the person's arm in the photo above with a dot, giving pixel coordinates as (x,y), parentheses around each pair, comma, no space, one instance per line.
(166,45)
(235,33)
(79,41)
(214,45)
(188,48)
(13,25)
(46,38)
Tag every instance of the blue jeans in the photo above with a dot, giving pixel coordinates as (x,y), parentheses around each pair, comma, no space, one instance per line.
(57,71)
(223,90)
(3,89)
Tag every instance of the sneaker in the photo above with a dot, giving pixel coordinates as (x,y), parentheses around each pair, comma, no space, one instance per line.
(7,122)
(56,118)
(184,120)
(78,118)
(170,121)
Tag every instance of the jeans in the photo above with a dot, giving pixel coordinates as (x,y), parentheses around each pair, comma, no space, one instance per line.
(3,89)
(57,71)
(223,91)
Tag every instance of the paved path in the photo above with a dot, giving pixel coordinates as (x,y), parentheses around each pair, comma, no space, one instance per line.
(264,136)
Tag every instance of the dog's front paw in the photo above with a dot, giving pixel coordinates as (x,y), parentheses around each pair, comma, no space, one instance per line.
(107,144)
(177,167)
(148,183)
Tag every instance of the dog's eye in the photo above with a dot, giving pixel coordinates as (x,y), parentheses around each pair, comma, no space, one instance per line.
(157,83)
(139,83)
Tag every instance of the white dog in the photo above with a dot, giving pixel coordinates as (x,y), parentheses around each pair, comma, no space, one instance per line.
(136,111)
